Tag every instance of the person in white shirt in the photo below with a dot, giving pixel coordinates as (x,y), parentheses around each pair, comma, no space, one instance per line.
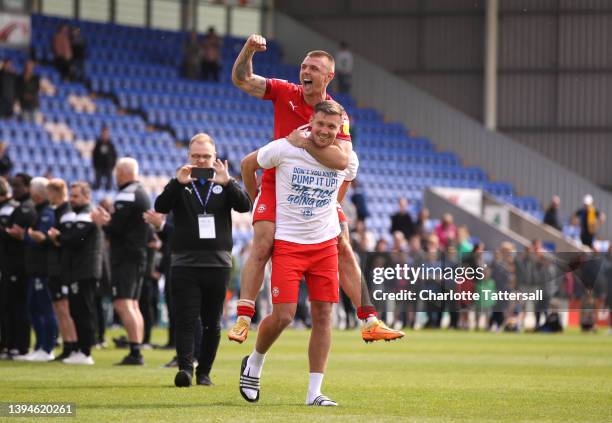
(344,68)
(305,244)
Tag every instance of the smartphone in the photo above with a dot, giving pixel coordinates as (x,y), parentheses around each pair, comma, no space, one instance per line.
(203,172)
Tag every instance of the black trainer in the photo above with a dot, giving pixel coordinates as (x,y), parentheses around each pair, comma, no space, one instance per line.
(248,382)
(172,363)
(130,360)
(204,380)
(182,379)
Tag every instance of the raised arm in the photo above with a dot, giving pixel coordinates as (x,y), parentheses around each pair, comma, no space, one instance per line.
(242,72)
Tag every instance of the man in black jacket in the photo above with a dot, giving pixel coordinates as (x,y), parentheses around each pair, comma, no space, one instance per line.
(127,233)
(58,199)
(29,85)
(104,158)
(201,253)
(402,221)
(551,216)
(22,217)
(81,240)
(7,207)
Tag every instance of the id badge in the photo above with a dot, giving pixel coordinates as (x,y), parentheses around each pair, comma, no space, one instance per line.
(206,225)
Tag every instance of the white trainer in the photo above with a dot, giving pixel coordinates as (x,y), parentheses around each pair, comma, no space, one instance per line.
(79,358)
(42,356)
(25,357)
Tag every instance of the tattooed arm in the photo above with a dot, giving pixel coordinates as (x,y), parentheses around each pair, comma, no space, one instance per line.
(242,72)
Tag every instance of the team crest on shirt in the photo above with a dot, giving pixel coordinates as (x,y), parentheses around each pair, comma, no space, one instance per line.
(275,291)
(261,208)
(217,189)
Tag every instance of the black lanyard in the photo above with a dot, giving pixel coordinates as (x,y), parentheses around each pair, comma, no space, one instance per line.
(200,198)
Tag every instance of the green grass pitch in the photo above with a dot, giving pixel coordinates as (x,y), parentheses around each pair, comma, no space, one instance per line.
(427,377)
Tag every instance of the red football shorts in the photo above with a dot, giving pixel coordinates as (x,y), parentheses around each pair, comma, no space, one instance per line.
(317,262)
(265,203)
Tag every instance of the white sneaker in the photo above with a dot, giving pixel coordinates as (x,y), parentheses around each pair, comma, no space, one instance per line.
(79,358)
(42,356)
(26,357)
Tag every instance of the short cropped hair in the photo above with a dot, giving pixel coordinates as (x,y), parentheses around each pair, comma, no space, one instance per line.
(322,53)
(58,186)
(329,107)
(83,186)
(201,138)
(25,178)
(128,164)
(38,185)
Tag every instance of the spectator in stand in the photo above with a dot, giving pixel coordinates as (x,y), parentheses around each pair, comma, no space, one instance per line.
(572,230)
(79,53)
(446,231)
(363,239)
(8,89)
(502,272)
(104,159)
(6,164)
(590,219)
(63,55)
(192,57)
(211,56)
(464,244)
(359,199)
(402,221)
(430,282)
(344,68)
(424,225)
(551,217)
(29,85)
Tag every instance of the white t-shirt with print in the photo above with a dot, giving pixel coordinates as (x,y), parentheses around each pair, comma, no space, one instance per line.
(306,192)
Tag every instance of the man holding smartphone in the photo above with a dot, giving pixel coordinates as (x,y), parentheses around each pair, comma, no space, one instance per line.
(201,198)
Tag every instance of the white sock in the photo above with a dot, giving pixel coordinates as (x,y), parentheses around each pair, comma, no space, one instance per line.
(256,361)
(254,367)
(314,386)
(371,319)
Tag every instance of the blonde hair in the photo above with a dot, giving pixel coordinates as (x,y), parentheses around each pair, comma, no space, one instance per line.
(322,53)
(58,186)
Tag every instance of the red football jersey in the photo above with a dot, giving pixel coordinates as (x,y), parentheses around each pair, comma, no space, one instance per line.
(291,111)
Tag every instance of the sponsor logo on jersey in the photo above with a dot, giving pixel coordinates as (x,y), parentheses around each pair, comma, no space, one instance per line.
(346,126)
